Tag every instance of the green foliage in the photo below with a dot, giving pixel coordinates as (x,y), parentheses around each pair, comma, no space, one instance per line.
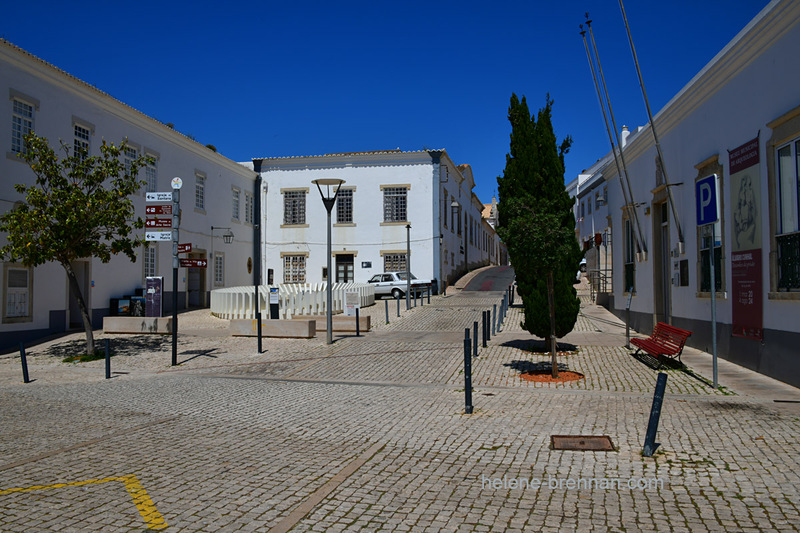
(567,305)
(79,206)
(536,220)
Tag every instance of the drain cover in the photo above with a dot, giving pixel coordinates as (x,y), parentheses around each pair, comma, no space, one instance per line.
(582,443)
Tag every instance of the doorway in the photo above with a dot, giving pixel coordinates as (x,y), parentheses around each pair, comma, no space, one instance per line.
(345,268)
(662,264)
(81,270)
(196,283)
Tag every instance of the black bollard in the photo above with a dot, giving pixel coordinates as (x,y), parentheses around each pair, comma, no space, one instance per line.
(467,375)
(485,333)
(429,294)
(398,304)
(387,310)
(650,443)
(475,339)
(108,358)
(358,325)
(24,360)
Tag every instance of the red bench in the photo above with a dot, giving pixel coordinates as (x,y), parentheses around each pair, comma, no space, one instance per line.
(666,340)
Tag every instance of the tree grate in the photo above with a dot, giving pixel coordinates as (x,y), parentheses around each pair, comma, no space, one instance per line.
(582,443)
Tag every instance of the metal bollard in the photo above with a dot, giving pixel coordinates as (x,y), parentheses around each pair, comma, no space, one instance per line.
(650,443)
(108,358)
(422,298)
(485,333)
(358,325)
(415,298)
(429,294)
(494,319)
(467,375)
(387,310)
(475,339)
(24,359)
(398,305)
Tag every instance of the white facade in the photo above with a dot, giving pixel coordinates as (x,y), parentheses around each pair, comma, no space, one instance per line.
(748,91)
(383,193)
(57,106)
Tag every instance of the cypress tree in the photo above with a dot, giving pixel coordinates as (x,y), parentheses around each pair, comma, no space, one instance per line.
(537,224)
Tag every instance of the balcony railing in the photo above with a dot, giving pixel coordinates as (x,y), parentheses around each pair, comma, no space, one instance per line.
(788,261)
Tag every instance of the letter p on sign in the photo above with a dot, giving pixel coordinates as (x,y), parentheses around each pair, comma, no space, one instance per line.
(707,196)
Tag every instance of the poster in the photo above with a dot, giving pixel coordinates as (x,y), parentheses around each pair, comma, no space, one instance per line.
(153,293)
(746,265)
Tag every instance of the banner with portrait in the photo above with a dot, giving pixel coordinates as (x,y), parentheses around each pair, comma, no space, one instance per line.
(746,290)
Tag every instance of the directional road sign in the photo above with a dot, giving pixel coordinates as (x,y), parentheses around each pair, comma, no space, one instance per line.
(158,223)
(159,236)
(194,263)
(184,248)
(158,209)
(158,196)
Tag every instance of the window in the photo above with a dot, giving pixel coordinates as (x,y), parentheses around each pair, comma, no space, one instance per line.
(219,269)
(149,261)
(394,262)
(788,230)
(18,292)
(452,215)
(249,206)
(21,125)
(235,194)
(589,205)
(80,147)
(395,204)
(344,206)
(294,269)
(705,258)
(446,206)
(151,175)
(630,255)
(294,208)
(200,192)
(128,155)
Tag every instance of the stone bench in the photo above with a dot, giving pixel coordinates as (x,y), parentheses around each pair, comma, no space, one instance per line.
(137,324)
(299,329)
(340,322)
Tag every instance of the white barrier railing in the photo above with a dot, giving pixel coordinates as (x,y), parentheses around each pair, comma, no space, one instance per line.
(294,299)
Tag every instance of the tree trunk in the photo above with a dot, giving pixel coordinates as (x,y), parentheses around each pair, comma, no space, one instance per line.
(75,290)
(552,307)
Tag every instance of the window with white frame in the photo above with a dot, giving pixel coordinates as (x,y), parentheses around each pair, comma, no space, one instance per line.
(394,262)
(787,235)
(235,194)
(344,206)
(151,175)
(219,269)
(294,269)
(249,206)
(445,207)
(128,156)
(395,204)
(149,261)
(17,292)
(21,124)
(294,207)
(200,192)
(80,145)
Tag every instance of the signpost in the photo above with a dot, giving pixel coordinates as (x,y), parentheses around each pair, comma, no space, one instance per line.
(160,209)
(193,263)
(707,193)
(158,236)
(158,223)
(158,196)
(184,248)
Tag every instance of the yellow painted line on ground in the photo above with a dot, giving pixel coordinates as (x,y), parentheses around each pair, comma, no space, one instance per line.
(141,499)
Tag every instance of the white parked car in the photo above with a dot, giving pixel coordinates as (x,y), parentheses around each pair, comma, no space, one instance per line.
(394,284)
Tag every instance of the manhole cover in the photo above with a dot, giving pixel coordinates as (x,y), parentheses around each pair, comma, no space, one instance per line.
(583,443)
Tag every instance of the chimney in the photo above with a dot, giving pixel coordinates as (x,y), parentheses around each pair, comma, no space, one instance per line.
(624,136)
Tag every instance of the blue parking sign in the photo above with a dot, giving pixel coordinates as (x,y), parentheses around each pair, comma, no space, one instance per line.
(707,197)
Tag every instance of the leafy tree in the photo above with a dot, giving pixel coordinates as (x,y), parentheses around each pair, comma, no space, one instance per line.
(537,224)
(79,207)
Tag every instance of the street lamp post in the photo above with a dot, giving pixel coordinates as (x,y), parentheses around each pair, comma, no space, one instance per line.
(329,201)
(408,268)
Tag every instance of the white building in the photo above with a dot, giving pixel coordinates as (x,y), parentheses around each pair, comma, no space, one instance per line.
(738,118)
(217,192)
(384,193)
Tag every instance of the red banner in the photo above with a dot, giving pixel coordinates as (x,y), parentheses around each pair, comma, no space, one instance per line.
(746,266)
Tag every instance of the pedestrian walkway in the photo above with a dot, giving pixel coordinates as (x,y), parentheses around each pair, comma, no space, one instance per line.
(369,434)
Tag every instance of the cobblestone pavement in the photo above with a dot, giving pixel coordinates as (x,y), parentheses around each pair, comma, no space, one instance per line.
(369,434)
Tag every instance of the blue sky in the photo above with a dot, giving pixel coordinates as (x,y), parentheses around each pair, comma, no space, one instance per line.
(262,79)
